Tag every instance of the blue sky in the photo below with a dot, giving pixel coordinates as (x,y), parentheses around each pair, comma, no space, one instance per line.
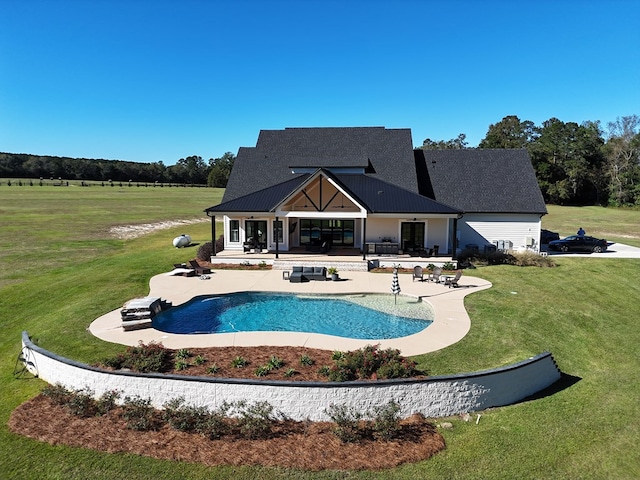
(161,80)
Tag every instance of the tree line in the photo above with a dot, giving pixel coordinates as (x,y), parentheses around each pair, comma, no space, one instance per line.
(575,164)
(191,170)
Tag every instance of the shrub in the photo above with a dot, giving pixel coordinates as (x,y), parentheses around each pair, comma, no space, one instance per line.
(58,393)
(181,365)
(199,360)
(107,402)
(81,403)
(205,251)
(139,414)
(306,360)
(290,372)
(347,420)
(275,362)
(370,362)
(255,420)
(183,353)
(337,355)
(216,424)
(532,259)
(142,358)
(324,370)
(262,370)
(386,421)
(239,362)
(185,418)
(213,369)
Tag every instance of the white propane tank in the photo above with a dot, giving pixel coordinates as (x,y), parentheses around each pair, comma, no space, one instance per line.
(182,241)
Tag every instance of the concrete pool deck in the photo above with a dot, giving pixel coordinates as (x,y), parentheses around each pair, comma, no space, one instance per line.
(450,325)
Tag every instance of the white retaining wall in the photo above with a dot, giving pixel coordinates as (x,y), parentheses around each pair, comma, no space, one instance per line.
(433,397)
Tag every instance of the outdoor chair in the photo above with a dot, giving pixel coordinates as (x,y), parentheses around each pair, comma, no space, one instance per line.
(417,273)
(453,281)
(198,269)
(435,275)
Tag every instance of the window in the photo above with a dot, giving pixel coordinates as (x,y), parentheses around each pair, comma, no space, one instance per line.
(234,231)
(337,232)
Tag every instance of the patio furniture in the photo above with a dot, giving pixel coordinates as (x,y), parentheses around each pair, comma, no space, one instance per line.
(435,275)
(305,274)
(453,281)
(198,269)
(417,273)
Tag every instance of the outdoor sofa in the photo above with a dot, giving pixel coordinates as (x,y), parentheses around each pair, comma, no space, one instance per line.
(305,274)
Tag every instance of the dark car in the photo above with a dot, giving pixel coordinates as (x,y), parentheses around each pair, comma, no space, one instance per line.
(547,236)
(579,243)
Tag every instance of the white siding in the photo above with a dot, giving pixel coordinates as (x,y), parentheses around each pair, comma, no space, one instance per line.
(483,229)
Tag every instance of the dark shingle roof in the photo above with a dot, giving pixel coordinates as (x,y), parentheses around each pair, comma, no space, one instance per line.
(482,180)
(386,153)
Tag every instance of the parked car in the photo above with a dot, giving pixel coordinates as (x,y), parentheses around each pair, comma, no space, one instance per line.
(579,243)
(547,236)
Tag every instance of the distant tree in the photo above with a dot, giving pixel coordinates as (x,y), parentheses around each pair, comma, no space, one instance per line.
(191,170)
(622,152)
(509,132)
(457,143)
(220,169)
(567,158)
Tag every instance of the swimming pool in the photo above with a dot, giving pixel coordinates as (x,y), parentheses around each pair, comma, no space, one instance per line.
(362,316)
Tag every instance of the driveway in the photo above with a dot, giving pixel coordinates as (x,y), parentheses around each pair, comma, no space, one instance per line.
(614,250)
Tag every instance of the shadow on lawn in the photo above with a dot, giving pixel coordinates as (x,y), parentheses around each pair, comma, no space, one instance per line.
(565,382)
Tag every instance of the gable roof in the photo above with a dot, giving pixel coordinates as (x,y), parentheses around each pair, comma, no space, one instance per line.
(477,180)
(383,153)
(375,195)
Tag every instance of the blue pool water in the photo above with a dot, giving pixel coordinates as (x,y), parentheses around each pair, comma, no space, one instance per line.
(373,316)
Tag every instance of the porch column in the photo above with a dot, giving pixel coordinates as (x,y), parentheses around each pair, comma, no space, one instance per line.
(213,234)
(276,234)
(364,238)
(455,239)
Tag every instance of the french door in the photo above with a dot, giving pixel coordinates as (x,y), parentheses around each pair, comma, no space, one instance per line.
(412,236)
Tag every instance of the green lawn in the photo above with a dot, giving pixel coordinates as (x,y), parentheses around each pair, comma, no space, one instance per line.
(60,270)
(614,224)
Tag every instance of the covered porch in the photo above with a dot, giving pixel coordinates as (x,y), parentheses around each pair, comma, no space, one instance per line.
(344,259)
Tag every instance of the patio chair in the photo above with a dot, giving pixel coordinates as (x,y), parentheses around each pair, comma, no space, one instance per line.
(417,273)
(453,281)
(198,269)
(435,275)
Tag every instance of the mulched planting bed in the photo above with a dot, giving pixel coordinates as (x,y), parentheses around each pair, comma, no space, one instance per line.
(303,445)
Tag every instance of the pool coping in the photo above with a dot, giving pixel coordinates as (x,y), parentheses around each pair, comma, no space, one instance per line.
(450,325)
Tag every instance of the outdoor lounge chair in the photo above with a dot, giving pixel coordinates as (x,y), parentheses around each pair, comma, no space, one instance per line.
(435,275)
(198,269)
(453,281)
(296,275)
(417,273)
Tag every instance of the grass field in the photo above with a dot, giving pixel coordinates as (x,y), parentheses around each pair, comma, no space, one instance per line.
(60,269)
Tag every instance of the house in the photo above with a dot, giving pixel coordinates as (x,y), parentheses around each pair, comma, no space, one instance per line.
(366,190)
